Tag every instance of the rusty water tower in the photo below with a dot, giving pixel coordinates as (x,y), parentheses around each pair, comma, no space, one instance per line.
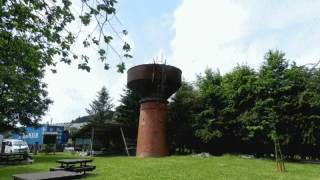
(154,83)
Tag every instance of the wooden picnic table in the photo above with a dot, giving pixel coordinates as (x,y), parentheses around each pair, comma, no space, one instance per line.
(13,157)
(47,175)
(64,163)
(75,165)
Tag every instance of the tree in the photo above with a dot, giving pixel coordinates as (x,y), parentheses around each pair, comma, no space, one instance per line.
(181,110)
(263,121)
(306,113)
(127,113)
(81,119)
(209,125)
(239,88)
(35,35)
(44,25)
(101,108)
(23,98)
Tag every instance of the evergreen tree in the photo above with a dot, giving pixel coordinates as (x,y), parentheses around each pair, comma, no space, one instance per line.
(181,111)
(127,113)
(101,108)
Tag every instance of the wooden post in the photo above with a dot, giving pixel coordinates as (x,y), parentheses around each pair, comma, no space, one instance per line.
(124,141)
(35,148)
(91,144)
(276,154)
(279,157)
(282,160)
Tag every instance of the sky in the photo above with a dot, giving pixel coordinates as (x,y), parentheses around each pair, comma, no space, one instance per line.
(192,35)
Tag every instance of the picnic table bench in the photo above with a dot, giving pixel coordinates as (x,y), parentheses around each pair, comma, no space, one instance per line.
(74,165)
(52,175)
(13,157)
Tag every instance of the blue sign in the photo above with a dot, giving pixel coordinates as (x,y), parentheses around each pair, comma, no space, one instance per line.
(35,135)
(31,135)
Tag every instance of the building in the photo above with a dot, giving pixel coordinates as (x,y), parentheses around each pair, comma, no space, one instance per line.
(45,134)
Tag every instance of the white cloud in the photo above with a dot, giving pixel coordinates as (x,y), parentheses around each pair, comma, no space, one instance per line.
(73,90)
(220,34)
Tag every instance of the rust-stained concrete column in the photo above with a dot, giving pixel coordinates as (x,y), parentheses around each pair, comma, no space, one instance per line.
(152,129)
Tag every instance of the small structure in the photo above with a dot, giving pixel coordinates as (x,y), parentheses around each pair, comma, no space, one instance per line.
(106,137)
(154,83)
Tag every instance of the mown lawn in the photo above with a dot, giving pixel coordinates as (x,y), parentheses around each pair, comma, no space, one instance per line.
(174,167)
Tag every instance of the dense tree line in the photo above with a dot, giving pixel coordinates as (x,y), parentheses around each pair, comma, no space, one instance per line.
(245,111)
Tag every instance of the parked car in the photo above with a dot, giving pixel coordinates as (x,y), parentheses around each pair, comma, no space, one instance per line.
(15,146)
(68,149)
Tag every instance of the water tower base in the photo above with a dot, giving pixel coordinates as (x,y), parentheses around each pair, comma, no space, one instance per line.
(152,130)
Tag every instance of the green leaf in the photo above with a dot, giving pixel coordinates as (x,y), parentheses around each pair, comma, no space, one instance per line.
(102,58)
(86,43)
(106,66)
(95,41)
(126,47)
(102,52)
(107,39)
(111,10)
(94,11)
(128,56)
(121,67)
(85,19)
(102,7)
(85,58)
(84,66)
(66,60)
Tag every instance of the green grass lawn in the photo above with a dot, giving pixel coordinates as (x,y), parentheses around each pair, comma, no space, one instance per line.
(173,167)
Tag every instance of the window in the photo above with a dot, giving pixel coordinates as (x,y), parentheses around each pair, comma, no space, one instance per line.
(19,143)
